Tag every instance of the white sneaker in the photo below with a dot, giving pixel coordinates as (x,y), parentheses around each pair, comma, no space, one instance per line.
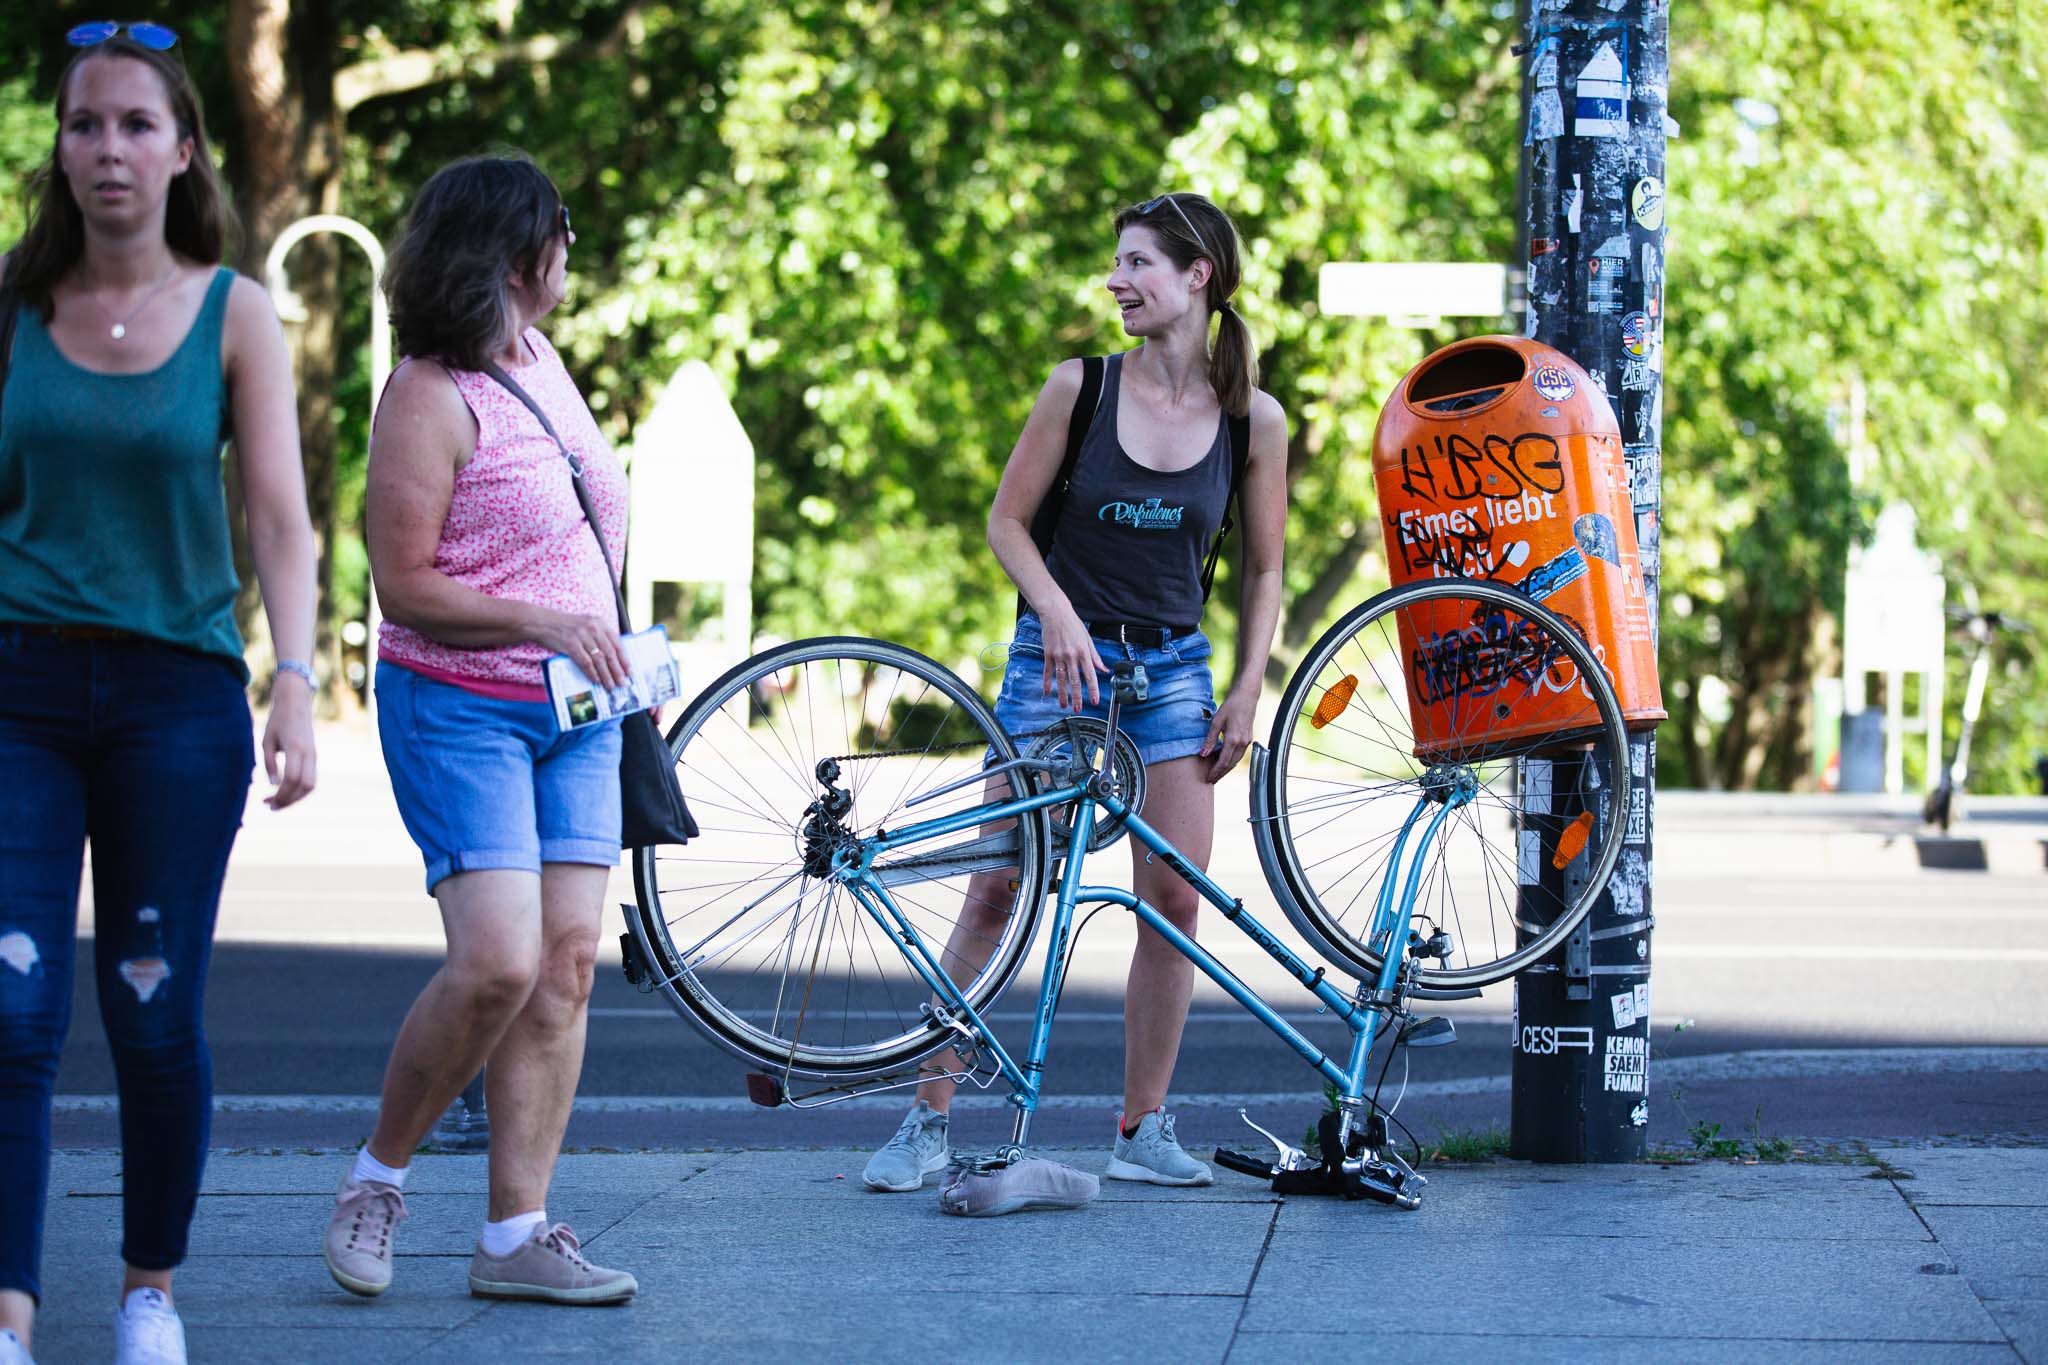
(1153,1154)
(147,1330)
(12,1352)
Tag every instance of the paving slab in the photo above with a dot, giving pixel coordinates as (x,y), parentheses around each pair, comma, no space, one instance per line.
(1998,1176)
(262,1293)
(765,1255)
(786,1319)
(1702,1286)
(1441,1348)
(249,1345)
(1779,1202)
(869,1246)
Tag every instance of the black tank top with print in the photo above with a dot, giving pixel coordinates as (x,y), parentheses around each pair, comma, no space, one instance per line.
(1131,540)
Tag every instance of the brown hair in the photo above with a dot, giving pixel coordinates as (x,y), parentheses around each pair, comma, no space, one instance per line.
(197,216)
(475,224)
(1189,228)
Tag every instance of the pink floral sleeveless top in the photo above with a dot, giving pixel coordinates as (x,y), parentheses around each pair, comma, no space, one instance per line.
(514,528)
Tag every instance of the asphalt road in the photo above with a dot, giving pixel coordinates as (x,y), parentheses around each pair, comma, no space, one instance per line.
(1912,998)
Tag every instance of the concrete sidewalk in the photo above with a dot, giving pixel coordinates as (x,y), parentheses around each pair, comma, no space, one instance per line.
(1932,1254)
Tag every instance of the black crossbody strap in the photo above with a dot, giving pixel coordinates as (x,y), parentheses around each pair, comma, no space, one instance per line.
(511,386)
(1045,521)
(1240,460)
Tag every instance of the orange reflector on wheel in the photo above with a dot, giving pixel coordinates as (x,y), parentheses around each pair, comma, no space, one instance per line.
(1334,701)
(1572,842)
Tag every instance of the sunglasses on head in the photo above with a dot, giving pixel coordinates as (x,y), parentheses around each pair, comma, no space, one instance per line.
(1146,210)
(155,37)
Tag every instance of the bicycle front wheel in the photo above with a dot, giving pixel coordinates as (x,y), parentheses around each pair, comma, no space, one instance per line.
(1438,687)
(780,965)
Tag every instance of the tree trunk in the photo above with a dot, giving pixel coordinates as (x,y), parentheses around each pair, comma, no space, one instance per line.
(289,161)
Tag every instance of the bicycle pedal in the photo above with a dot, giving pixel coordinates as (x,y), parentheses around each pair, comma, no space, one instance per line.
(765,1090)
(1435,1031)
(1381,1182)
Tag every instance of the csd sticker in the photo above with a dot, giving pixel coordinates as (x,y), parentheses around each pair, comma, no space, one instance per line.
(1553,382)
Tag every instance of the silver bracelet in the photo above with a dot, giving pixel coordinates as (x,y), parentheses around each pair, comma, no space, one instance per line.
(296,669)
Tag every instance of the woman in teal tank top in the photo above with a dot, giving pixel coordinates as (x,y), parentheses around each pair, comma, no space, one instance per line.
(123,716)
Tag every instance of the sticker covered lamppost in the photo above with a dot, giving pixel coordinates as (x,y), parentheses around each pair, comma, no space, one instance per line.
(1595,129)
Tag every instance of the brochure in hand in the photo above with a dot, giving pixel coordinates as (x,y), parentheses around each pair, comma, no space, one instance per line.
(653,679)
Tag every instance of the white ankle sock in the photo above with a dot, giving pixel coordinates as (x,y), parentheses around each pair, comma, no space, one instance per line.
(369,1168)
(505,1237)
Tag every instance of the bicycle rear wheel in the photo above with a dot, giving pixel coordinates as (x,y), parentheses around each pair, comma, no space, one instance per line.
(1441,685)
(783,968)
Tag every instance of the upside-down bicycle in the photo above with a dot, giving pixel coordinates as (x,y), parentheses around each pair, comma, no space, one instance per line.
(848,791)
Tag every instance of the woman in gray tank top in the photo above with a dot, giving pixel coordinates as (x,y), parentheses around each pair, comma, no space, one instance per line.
(1123,580)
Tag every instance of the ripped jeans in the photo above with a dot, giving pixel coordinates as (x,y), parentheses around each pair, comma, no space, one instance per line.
(147,751)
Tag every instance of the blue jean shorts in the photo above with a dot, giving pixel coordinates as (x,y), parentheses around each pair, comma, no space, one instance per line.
(486,783)
(1173,720)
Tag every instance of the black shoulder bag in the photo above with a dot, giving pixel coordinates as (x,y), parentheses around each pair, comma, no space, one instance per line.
(1046,520)
(651,800)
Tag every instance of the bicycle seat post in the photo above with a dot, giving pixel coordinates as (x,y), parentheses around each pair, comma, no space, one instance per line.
(1127,683)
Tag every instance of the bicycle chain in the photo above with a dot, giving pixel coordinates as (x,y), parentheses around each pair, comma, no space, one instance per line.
(909,753)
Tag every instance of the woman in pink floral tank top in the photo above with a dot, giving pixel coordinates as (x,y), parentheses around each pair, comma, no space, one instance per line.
(486,566)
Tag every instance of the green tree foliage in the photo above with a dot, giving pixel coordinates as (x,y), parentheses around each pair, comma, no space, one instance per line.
(1857,261)
(882,223)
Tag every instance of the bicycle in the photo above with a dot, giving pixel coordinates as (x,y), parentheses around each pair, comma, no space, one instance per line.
(834,780)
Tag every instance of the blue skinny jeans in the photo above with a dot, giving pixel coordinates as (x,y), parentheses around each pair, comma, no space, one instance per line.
(146,751)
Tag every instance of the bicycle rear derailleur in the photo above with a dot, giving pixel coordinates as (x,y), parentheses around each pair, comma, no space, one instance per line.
(1365,1167)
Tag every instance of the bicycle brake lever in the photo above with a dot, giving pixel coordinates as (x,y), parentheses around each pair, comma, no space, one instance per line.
(1291,1158)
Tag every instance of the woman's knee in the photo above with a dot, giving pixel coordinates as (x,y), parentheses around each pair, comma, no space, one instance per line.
(569,971)
(495,980)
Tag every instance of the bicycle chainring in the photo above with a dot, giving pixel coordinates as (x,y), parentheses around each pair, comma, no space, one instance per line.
(1076,742)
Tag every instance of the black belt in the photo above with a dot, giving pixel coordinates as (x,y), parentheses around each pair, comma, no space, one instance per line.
(1137,636)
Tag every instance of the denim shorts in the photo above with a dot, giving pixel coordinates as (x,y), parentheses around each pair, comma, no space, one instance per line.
(485,783)
(1173,720)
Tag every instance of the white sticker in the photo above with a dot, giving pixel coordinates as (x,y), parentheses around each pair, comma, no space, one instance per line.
(1640,1115)
(1646,203)
(1638,818)
(1530,843)
(1601,107)
(1574,202)
(1626,1066)
(1542,1040)
(1536,795)
(1642,994)
(1624,1010)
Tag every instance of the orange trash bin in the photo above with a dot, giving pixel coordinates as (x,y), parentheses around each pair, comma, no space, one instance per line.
(1497,458)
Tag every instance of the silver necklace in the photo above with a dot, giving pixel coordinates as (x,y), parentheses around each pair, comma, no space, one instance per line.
(120,327)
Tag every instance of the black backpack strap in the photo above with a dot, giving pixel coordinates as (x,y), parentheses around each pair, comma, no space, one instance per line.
(1045,521)
(1240,460)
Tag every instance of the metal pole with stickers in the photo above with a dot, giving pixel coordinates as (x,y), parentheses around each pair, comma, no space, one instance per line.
(1595,129)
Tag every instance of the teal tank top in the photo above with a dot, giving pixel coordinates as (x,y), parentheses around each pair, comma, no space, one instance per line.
(112,511)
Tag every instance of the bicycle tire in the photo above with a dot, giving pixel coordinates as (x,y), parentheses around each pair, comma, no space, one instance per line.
(1338,793)
(842,1001)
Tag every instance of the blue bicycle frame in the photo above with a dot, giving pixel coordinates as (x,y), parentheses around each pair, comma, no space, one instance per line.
(1361,1013)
